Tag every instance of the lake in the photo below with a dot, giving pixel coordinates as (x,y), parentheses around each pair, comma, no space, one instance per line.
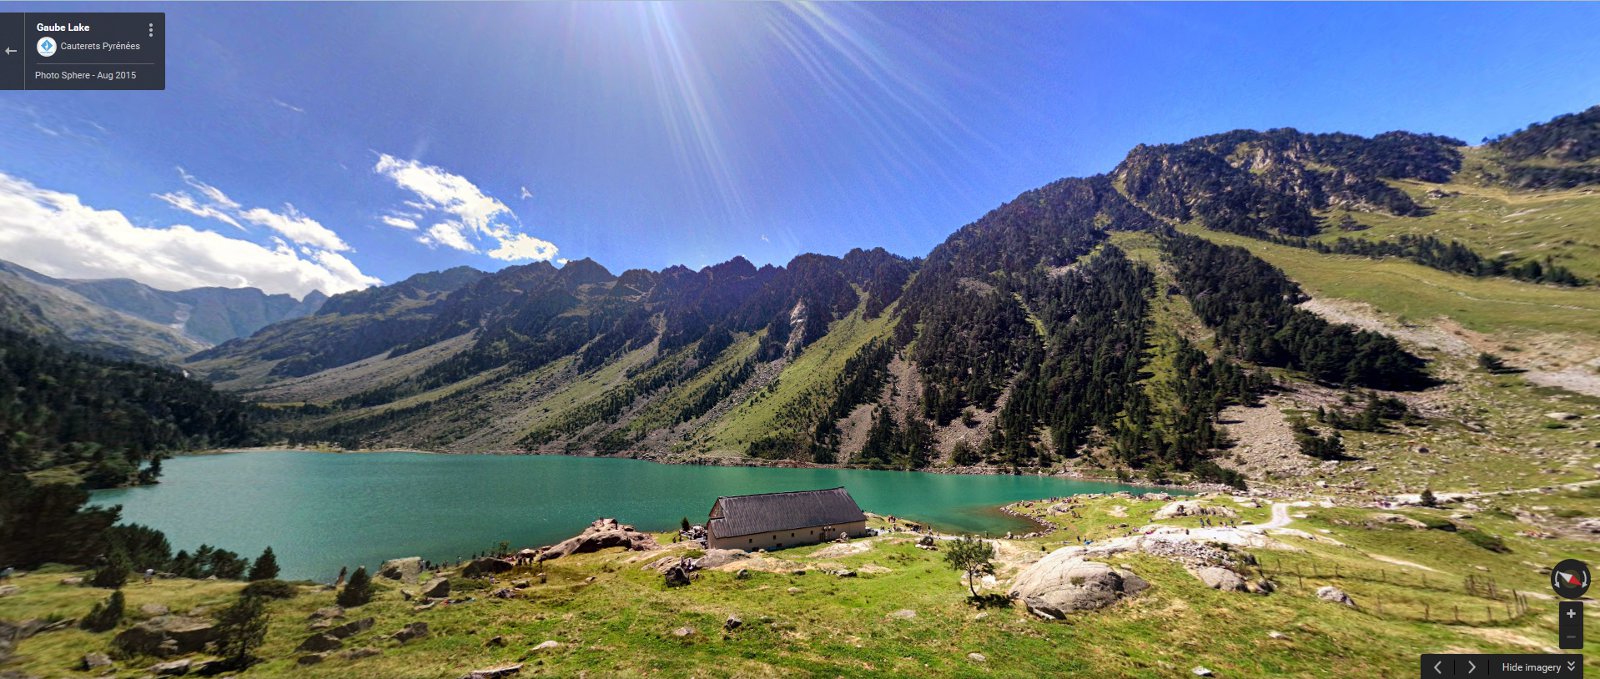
(320,511)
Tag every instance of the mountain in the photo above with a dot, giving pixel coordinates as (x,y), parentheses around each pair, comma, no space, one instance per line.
(1100,323)
(153,322)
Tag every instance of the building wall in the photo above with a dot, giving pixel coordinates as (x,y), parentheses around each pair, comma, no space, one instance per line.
(786,538)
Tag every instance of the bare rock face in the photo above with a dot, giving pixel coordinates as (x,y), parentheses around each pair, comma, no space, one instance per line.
(404,570)
(720,557)
(351,629)
(1063,583)
(437,588)
(601,534)
(166,636)
(319,643)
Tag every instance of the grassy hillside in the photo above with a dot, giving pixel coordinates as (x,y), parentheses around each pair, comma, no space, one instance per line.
(610,615)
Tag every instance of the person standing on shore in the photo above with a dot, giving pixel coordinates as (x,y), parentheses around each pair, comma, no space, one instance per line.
(340,582)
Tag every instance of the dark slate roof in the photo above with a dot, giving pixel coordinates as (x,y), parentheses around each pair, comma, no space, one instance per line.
(751,514)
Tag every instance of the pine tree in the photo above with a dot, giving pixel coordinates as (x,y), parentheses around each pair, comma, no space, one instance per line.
(358,590)
(113,572)
(265,567)
(105,615)
(240,630)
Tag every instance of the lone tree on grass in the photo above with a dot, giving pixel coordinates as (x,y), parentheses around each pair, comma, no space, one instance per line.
(240,630)
(265,567)
(105,615)
(358,591)
(971,556)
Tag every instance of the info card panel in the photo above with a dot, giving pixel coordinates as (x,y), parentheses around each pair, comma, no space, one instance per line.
(83,51)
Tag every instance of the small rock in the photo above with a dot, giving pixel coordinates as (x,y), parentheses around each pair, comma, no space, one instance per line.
(415,630)
(318,643)
(171,668)
(794,590)
(683,632)
(1201,671)
(437,588)
(95,661)
(152,610)
(311,659)
(72,581)
(547,645)
(977,657)
(326,613)
(10,590)
(845,573)
(903,614)
(359,653)
(742,575)
(981,616)
(732,623)
(1560,416)
(407,595)
(1277,635)
(350,629)
(497,642)
(494,672)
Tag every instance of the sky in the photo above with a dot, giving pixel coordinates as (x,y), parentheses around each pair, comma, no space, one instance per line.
(335,146)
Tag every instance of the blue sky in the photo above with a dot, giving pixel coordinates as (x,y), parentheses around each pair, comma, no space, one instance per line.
(652,135)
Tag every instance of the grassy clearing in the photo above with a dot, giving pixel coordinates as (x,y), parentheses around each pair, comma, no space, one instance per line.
(1415,293)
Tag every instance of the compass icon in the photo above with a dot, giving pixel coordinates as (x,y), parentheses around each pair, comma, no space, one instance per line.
(47,46)
(1570,579)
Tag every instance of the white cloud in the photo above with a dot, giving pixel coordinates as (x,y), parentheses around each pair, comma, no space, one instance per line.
(468,215)
(297,227)
(526,194)
(447,234)
(400,222)
(212,193)
(187,203)
(56,234)
(288,105)
(519,246)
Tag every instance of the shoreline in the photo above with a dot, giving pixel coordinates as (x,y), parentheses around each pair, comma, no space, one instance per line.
(737,461)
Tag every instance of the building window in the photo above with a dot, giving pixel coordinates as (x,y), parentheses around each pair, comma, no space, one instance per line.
(752,541)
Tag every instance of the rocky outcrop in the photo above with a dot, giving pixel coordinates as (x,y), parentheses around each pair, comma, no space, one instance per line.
(1217,577)
(1063,583)
(437,588)
(602,534)
(319,643)
(1182,508)
(167,636)
(351,629)
(404,570)
(486,566)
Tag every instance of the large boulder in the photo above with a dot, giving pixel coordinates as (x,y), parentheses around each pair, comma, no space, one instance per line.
(1335,595)
(170,669)
(602,534)
(1217,577)
(405,570)
(167,635)
(720,557)
(437,588)
(486,566)
(1063,583)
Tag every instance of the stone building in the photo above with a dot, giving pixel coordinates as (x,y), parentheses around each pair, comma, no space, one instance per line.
(778,520)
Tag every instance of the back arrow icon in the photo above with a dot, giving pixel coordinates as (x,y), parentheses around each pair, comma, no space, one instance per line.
(1436,669)
(10,51)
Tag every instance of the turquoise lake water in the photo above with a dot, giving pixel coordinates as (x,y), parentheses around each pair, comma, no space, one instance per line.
(320,511)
